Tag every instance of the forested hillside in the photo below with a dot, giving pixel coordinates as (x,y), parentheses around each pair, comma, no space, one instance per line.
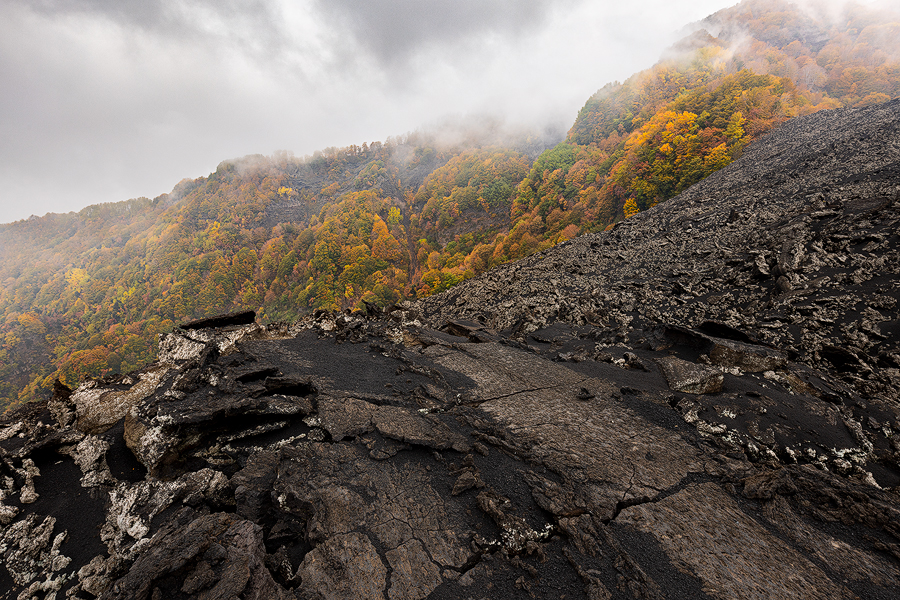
(85,294)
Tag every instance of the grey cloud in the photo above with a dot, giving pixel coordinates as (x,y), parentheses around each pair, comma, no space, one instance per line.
(143,13)
(160,15)
(252,25)
(394,30)
(102,100)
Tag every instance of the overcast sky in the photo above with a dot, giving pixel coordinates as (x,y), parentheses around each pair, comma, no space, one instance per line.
(105,100)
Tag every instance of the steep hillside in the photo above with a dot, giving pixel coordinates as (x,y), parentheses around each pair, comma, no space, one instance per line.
(798,249)
(86,294)
(702,402)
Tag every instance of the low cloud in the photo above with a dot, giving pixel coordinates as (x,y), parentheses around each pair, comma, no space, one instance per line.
(104,100)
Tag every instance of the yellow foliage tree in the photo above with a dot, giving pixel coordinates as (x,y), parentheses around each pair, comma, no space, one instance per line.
(384,246)
(631,208)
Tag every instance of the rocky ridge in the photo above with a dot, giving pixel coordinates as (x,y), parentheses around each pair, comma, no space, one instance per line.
(700,403)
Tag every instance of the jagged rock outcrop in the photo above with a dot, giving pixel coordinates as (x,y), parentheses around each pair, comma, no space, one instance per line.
(701,403)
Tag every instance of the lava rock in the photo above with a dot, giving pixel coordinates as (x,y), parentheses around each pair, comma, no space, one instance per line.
(684,376)
(245,317)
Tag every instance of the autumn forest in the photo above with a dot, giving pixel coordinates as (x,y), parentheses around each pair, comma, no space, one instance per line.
(85,294)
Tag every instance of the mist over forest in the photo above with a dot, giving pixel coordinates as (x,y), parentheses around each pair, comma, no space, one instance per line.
(133,96)
(363,226)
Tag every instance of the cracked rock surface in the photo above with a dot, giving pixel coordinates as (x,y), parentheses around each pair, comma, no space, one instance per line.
(700,403)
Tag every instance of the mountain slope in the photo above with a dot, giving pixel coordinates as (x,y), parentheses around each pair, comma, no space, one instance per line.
(86,294)
(797,249)
(700,403)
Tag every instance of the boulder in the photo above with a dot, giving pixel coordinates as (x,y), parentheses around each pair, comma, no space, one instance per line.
(690,378)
